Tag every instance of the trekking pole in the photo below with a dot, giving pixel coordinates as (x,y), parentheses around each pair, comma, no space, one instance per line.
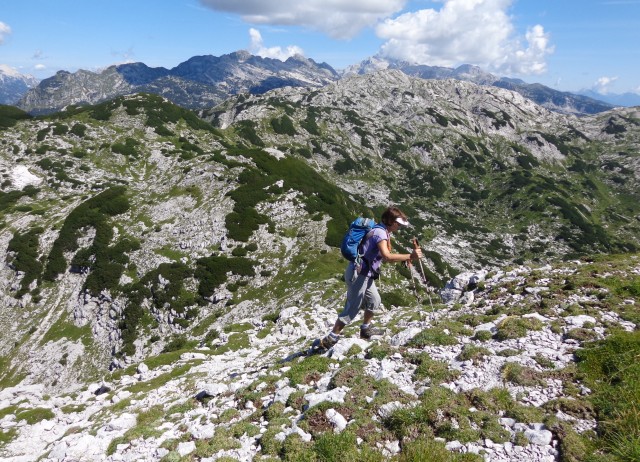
(416,246)
(413,280)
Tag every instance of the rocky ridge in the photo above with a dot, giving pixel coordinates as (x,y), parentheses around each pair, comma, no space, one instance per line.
(554,100)
(199,82)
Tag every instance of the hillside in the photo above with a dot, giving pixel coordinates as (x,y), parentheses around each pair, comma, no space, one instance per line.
(493,379)
(135,231)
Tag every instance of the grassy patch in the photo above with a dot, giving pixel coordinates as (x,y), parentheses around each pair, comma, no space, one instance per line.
(308,370)
(147,424)
(33,416)
(473,353)
(63,328)
(612,370)
(521,375)
(516,327)
(434,370)
(432,336)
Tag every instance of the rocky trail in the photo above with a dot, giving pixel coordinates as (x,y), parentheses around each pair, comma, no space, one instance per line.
(496,362)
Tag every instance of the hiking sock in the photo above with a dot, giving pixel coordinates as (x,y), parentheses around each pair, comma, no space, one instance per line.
(334,336)
(364,326)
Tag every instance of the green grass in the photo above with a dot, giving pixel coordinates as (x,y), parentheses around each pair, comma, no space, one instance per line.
(147,423)
(33,416)
(64,328)
(612,370)
(307,370)
(432,336)
(6,436)
(516,327)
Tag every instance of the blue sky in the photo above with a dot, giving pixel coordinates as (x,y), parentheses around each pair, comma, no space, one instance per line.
(566,44)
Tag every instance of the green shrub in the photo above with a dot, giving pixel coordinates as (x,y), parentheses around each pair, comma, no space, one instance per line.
(25,247)
(176,343)
(79,130)
(212,272)
(129,148)
(283,126)
(483,335)
(10,115)
(109,263)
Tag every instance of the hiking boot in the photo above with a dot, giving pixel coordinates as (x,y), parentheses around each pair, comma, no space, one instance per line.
(368,332)
(323,343)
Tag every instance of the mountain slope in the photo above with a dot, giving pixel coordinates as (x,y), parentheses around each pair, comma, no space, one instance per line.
(554,100)
(134,229)
(470,159)
(496,376)
(204,81)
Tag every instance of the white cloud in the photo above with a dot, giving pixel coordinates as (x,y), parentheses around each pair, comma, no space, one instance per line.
(257,48)
(466,32)
(603,83)
(340,19)
(8,70)
(39,67)
(4,31)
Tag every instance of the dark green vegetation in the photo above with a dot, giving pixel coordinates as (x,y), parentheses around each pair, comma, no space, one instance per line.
(258,184)
(10,115)
(157,110)
(102,259)
(24,257)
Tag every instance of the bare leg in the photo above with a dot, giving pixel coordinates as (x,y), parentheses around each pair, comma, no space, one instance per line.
(338,326)
(368,316)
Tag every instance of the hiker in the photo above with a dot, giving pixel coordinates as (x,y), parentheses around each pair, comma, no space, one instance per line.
(360,277)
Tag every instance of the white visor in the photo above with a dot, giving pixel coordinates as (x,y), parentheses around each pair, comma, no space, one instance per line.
(402,221)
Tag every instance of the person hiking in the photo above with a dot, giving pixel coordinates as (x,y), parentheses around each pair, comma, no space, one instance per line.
(361,275)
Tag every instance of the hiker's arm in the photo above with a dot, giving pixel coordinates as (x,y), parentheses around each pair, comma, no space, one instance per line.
(397,257)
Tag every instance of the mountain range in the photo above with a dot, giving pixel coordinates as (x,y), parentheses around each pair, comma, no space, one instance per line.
(624,99)
(204,81)
(160,261)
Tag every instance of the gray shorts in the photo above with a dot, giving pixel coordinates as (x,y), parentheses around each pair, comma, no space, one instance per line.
(361,291)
